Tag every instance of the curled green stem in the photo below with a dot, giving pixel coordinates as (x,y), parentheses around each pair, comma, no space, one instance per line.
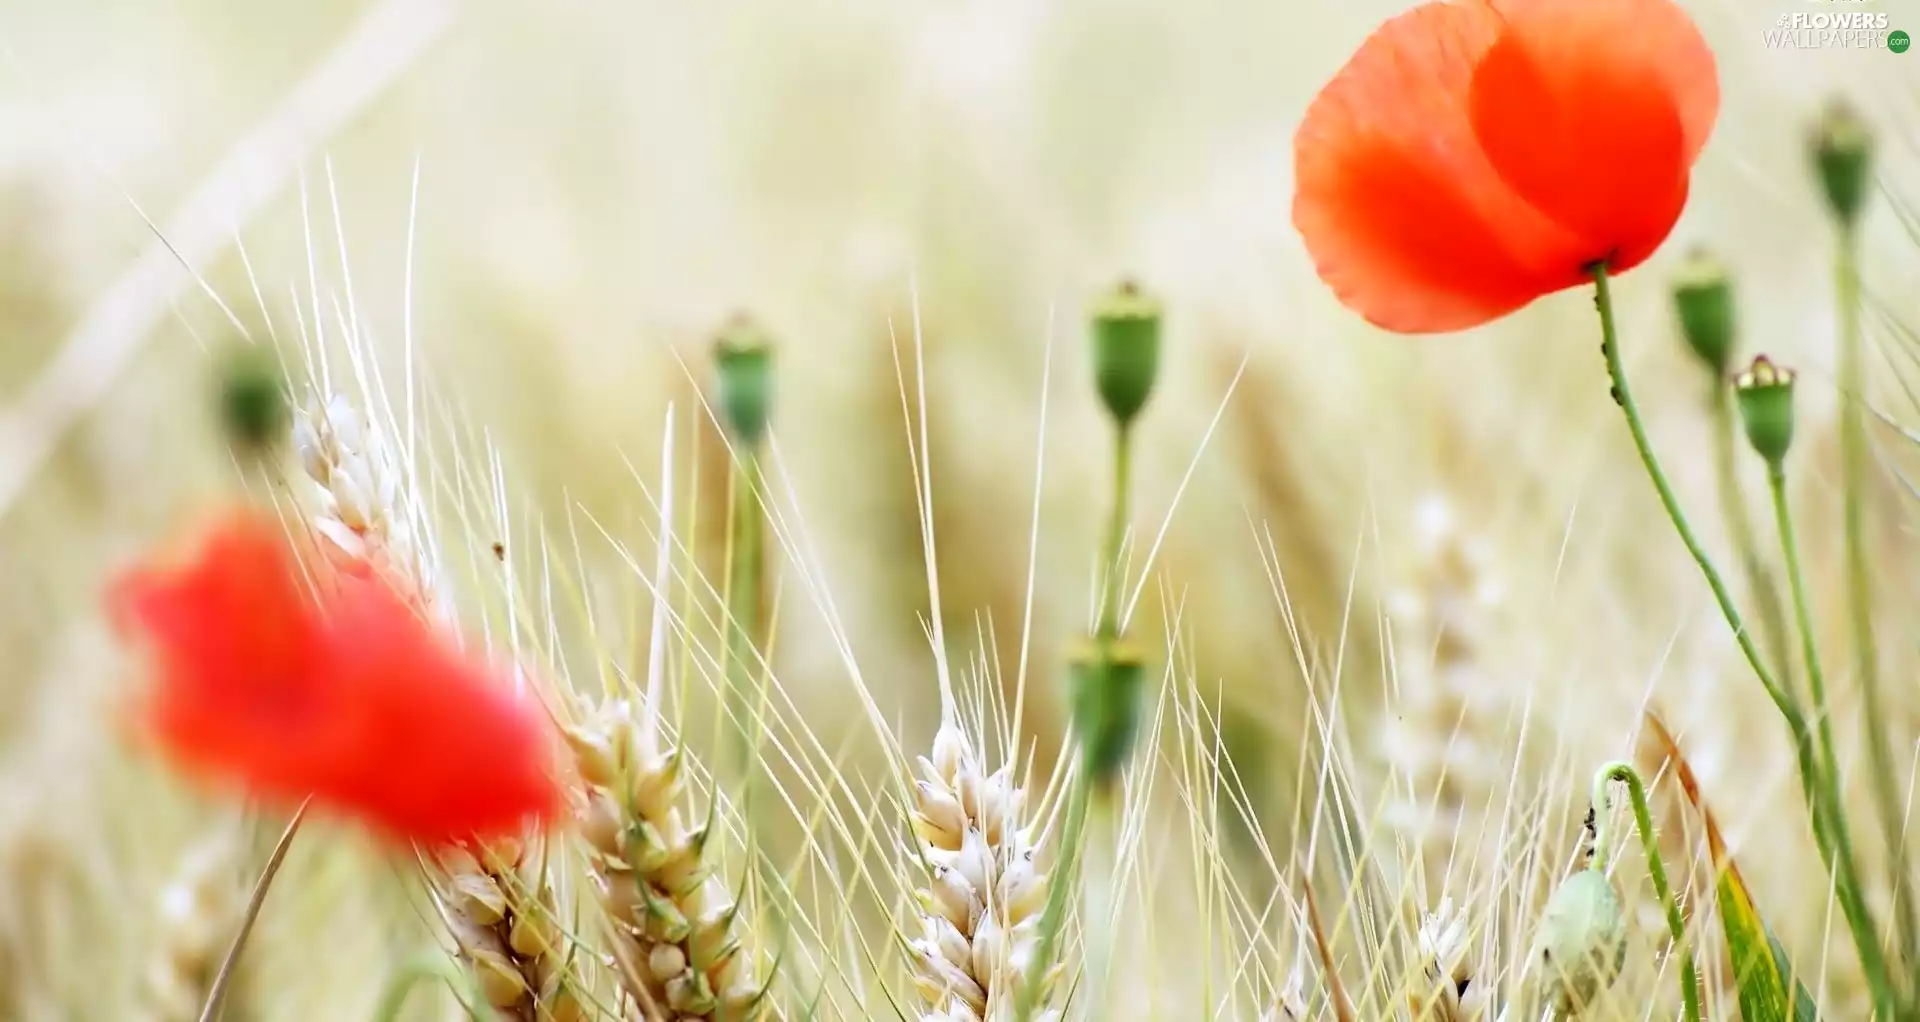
(1656,866)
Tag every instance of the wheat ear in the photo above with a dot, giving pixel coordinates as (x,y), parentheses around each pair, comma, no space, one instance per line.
(1446,990)
(675,920)
(501,913)
(980,911)
(498,901)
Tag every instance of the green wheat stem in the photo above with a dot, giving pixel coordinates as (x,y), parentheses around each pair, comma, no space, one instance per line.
(1872,961)
(1053,919)
(1733,507)
(1853,460)
(1656,866)
(432,965)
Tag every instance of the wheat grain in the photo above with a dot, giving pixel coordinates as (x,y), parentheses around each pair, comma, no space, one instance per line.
(502,917)
(674,918)
(981,909)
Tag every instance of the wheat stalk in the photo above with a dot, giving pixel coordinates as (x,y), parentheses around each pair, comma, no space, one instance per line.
(980,911)
(498,901)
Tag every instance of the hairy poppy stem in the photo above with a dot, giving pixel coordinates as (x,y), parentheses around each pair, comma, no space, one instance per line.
(1824,811)
(1656,866)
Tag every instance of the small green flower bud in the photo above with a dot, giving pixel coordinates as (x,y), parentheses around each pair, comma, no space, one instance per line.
(1764,393)
(1106,679)
(1843,155)
(1703,301)
(253,399)
(743,360)
(1582,942)
(1126,350)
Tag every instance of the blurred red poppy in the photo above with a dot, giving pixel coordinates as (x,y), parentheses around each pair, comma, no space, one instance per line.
(1475,155)
(331,685)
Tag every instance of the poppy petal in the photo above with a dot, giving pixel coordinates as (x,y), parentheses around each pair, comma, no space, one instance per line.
(435,746)
(337,690)
(1403,215)
(1592,111)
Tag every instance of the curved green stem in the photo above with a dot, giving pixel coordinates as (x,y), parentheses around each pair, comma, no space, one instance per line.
(1853,468)
(1822,811)
(1847,886)
(1656,866)
(1610,347)
(429,965)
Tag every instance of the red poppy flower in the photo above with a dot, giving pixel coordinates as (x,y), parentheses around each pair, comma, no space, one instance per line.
(332,686)
(1473,156)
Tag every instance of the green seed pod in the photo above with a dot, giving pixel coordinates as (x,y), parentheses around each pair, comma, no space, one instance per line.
(1126,350)
(1764,393)
(1107,680)
(743,360)
(253,399)
(1703,301)
(1843,156)
(1582,942)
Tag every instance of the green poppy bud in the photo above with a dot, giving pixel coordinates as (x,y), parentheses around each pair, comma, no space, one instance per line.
(1107,681)
(1703,301)
(253,398)
(1582,942)
(1126,350)
(743,361)
(1843,155)
(1764,393)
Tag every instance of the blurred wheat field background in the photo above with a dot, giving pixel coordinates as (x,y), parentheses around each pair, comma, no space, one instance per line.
(1434,561)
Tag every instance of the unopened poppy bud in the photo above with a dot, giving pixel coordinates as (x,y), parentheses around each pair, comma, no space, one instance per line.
(743,360)
(253,399)
(1582,942)
(1106,680)
(1126,350)
(1764,393)
(1703,301)
(1843,155)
